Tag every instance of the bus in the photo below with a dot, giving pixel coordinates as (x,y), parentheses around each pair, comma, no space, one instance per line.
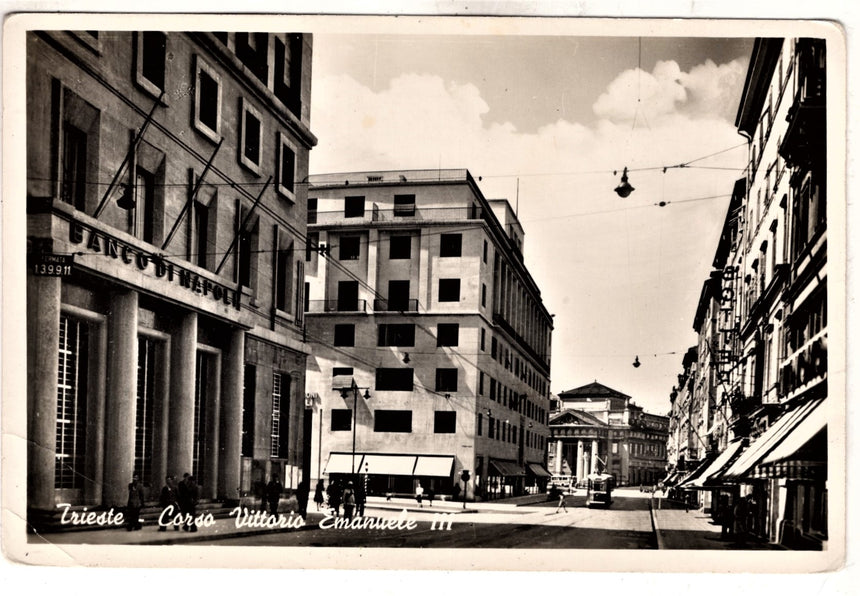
(599,490)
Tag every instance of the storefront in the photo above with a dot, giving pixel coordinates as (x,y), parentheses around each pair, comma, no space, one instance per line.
(393,474)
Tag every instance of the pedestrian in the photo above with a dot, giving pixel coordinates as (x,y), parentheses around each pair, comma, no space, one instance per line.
(334,497)
(169,498)
(349,500)
(727,521)
(188,494)
(273,494)
(686,503)
(739,513)
(360,499)
(135,502)
(561,503)
(319,493)
(419,494)
(302,493)
(431,494)
(455,492)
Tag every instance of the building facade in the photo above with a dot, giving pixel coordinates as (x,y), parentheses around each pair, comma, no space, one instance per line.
(431,345)
(164,236)
(600,430)
(768,306)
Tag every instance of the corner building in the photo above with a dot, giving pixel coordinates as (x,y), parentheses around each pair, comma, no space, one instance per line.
(164,290)
(431,345)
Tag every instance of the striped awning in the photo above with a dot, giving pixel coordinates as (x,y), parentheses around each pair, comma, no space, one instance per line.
(697,471)
(762,447)
(342,463)
(711,475)
(539,471)
(507,468)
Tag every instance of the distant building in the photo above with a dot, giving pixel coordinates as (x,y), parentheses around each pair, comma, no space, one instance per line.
(600,430)
(418,297)
(164,295)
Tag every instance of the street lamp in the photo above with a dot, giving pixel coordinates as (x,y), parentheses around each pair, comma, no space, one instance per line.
(344,392)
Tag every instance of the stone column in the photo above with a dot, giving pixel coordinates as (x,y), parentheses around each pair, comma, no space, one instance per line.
(183,366)
(230,445)
(120,404)
(43,340)
(594,453)
(558,457)
(213,426)
(580,460)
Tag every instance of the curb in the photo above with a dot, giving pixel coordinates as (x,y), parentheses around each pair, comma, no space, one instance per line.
(655,526)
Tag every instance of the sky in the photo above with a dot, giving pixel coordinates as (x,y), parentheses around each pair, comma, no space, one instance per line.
(549,123)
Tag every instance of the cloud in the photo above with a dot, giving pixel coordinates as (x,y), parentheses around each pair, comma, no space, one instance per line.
(623,275)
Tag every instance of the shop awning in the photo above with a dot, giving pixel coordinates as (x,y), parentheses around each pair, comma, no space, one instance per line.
(769,440)
(434,465)
(814,423)
(710,476)
(539,471)
(341,463)
(686,480)
(507,468)
(396,465)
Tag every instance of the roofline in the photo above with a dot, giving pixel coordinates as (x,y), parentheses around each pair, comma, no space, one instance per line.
(765,54)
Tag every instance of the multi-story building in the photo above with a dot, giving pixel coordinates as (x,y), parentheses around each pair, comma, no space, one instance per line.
(600,430)
(772,307)
(431,345)
(164,296)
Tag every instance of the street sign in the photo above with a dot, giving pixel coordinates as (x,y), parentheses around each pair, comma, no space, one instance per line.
(51,265)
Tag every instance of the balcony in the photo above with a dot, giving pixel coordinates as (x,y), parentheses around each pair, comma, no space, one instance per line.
(805,139)
(805,367)
(399,214)
(344,306)
(382,305)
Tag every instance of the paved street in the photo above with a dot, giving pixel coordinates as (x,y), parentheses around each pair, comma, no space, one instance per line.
(516,523)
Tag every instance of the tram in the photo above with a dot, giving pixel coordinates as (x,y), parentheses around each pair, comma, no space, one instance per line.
(599,490)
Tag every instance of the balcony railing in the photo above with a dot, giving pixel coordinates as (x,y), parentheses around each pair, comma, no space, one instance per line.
(805,366)
(400,213)
(317,306)
(382,305)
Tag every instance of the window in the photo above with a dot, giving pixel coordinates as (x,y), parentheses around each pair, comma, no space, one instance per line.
(353,207)
(404,205)
(446,379)
(312,211)
(347,295)
(288,71)
(447,334)
(444,422)
(286,167)
(74,175)
(350,248)
(480,424)
(392,421)
(311,245)
(449,290)
(247,254)
(71,412)
(400,334)
(492,389)
(494,348)
(203,219)
(342,371)
(483,339)
(249,391)
(207,100)
(341,420)
(284,275)
(484,295)
(151,51)
(251,142)
(394,379)
(344,335)
(400,247)
(253,50)
(78,160)
(485,251)
(280,415)
(144,426)
(451,245)
(398,295)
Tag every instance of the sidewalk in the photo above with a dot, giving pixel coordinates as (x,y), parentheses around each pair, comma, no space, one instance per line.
(676,528)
